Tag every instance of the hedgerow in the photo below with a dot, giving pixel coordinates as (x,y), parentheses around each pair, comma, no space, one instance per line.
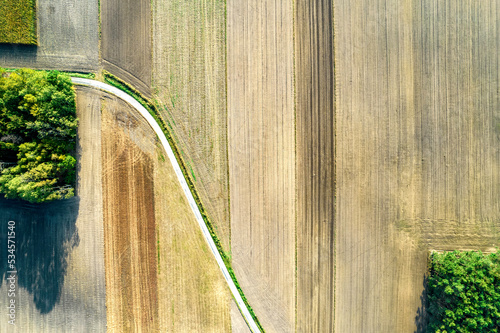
(464,292)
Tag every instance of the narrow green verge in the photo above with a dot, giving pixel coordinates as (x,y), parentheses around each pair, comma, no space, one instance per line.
(164,125)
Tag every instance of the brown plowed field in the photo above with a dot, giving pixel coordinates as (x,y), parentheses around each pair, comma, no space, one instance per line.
(126,41)
(193,295)
(262,157)
(129,224)
(315,168)
(189,81)
(418,133)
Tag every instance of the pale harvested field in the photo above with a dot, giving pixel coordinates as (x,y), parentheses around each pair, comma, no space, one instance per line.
(189,83)
(126,41)
(60,251)
(192,293)
(129,222)
(68,38)
(261,145)
(418,133)
(315,165)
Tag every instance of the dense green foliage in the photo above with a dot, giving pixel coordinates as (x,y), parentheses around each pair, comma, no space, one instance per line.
(464,292)
(37,135)
(18,22)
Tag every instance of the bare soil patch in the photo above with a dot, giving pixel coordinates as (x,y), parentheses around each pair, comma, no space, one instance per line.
(262,157)
(189,83)
(417,150)
(315,165)
(126,41)
(129,223)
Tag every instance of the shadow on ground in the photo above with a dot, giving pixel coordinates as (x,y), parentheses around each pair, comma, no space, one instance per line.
(45,234)
(421,319)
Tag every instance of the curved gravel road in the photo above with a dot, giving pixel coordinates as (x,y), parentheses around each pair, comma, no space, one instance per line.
(129,99)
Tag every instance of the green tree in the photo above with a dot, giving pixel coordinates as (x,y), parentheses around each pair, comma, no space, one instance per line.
(464,292)
(38,127)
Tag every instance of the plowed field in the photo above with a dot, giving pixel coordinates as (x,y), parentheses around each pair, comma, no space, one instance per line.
(189,81)
(262,157)
(126,41)
(417,149)
(129,224)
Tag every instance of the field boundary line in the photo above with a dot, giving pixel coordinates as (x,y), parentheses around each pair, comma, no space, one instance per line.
(185,187)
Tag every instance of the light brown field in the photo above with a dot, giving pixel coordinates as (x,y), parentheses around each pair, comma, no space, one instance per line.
(193,295)
(129,223)
(261,145)
(189,82)
(126,41)
(315,165)
(417,150)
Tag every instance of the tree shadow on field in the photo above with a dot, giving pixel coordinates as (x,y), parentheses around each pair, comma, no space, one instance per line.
(20,51)
(45,234)
(421,320)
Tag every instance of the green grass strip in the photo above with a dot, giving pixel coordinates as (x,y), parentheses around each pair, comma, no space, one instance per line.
(18,22)
(152,109)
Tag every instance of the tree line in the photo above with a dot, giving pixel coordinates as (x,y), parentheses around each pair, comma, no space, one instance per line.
(38,127)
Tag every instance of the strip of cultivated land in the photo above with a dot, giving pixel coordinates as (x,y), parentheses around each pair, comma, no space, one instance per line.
(418,133)
(59,246)
(189,83)
(129,220)
(315,165)
(261,147)
(193,295)
(126,41)
(68,38)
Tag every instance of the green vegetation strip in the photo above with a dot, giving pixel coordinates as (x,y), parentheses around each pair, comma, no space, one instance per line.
(464,292)
(18,22)
(153,110)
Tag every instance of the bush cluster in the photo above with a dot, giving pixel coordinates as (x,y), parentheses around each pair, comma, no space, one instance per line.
(464,292)
(38,128)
